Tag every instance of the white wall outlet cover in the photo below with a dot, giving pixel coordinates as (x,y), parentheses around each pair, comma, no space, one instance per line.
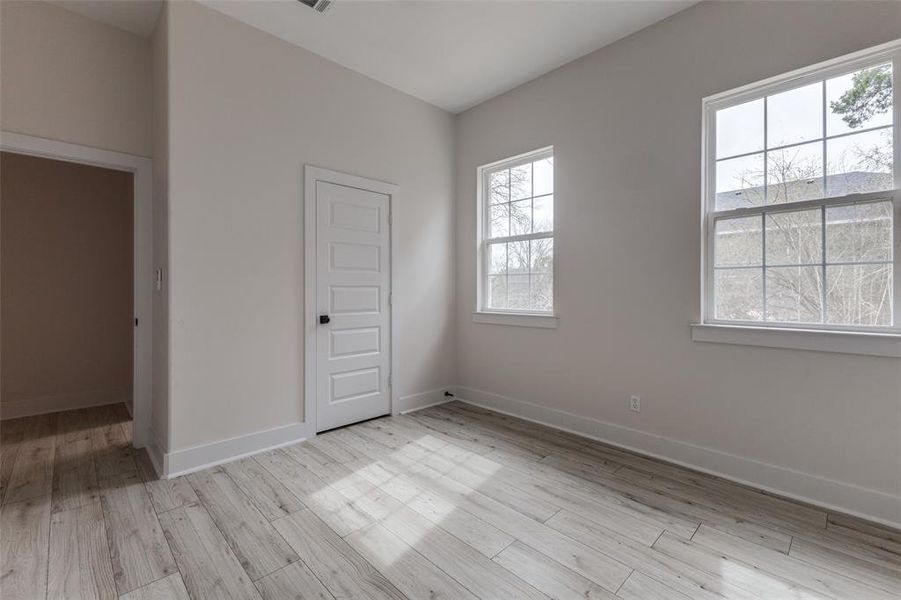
(635,403)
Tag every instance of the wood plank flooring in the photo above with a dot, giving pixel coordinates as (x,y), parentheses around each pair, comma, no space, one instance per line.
(451,502)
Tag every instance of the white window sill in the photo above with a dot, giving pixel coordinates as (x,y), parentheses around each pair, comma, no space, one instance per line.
(516,319)
(846,342)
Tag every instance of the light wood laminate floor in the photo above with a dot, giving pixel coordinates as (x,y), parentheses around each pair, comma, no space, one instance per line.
(451,502)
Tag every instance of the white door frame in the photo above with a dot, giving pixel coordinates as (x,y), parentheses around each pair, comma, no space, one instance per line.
(142,169)
(311,316)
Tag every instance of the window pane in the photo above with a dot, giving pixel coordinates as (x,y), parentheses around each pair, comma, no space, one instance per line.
(739,182)
(499,186)
(521,182)
(497,291)
(859,232)
(859,100)
(499,225)
(739,242)
(518,257)
(518,292)
(829,264)
(521,217)
(859,295)
(794,173)
(542,255)
(739,129)
(738,294)
(794,238)
(518,276)
(859,163)
(497,259)
(542,291)
(543,176)
(543,214)
(794,294)
(795,116)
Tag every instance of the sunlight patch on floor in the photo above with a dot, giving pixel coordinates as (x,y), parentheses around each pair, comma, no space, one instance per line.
(381,483)
(744,576)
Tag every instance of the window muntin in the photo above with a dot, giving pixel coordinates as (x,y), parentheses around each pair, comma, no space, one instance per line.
(516,244)
(803,200)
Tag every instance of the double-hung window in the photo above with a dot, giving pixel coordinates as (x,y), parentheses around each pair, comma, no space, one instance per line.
(516,235)
(802,203)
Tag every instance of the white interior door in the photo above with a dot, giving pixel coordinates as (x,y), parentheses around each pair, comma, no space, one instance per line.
(353,345)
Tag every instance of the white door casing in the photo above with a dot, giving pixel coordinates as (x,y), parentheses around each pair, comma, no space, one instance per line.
(351,321)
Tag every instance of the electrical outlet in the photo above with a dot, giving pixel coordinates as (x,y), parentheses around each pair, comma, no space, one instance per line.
(635,403)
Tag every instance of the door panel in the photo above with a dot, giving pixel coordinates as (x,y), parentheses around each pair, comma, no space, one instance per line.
(350,385)
(354,257)
(355,300)
(354,342)
(352,287)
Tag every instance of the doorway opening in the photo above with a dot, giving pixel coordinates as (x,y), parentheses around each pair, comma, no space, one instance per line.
(76,261)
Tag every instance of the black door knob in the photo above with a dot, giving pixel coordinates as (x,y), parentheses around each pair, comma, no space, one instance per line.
(323,319)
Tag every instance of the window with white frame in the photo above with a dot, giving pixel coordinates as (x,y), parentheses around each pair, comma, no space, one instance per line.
(516,237)
(802,201)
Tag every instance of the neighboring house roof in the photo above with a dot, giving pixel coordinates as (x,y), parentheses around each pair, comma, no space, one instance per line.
(806,189)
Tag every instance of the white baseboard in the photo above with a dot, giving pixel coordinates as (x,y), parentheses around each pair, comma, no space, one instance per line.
(414,402)
(27,407)
(867,503)
(188,460)
(196,458)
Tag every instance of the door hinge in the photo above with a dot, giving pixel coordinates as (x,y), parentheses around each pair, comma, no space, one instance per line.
(390,299)
(136,321)
(389,380)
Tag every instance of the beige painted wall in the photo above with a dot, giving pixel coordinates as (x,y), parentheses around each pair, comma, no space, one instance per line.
(246,112)
(625,122)
(160,389)
(66,254)
(68,78)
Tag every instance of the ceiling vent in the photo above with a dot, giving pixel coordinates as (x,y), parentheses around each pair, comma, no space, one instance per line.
(318,5)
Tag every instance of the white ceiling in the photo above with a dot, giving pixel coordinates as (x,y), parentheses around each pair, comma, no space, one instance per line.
(451,53)
(136,16)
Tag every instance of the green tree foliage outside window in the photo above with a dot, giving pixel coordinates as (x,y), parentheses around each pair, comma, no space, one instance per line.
(870,94)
